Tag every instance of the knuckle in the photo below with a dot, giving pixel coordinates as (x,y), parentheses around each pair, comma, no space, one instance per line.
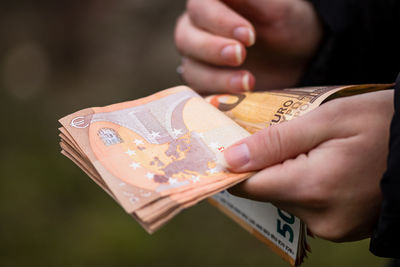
(279,11)
(330,228)
(329,112)
(271,141)
(283,10)
(192,6)
(335,108)
(315,198)
(316,193)
(202,13)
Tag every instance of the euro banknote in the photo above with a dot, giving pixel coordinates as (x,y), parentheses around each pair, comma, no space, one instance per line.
(155,155)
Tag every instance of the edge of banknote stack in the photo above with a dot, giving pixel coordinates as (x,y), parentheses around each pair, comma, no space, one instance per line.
(156,208)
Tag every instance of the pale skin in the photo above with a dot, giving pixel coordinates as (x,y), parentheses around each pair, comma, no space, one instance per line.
(324,167)
(236,45)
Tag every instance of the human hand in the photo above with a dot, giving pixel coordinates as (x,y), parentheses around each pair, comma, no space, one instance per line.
(212,36)
(324,167)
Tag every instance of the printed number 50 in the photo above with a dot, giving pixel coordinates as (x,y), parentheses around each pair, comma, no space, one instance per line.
(285,227)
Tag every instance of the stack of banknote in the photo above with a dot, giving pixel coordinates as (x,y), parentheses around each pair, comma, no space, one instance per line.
(155,155)
(160,154)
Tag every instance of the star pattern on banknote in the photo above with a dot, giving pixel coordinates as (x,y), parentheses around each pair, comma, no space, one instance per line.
(145,194)
(163,145)
(138,142)
(177,132)
(135,165)
(214,145)
(195,179)
(154,134)
(150,175)
(214,170)
(132,198)
(131,152)
(201,135)
(172,181)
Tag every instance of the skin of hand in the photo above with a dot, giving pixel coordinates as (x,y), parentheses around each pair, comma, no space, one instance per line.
(324,167)
(228,45)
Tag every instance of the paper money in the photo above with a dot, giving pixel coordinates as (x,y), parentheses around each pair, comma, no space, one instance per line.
(282,232)
(257,110)
(155,155)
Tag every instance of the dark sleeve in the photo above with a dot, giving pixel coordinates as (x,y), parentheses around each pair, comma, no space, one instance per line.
(361,42)
(385,241)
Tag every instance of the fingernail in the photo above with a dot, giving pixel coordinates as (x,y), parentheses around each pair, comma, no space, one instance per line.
(240,82)
(245,34)
(246,82)
(237,156)
(232,53)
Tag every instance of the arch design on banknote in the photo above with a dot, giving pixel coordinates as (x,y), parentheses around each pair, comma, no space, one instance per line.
(161,122)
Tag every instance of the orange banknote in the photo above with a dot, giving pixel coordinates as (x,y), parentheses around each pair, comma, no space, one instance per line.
(154,155)
(257,110)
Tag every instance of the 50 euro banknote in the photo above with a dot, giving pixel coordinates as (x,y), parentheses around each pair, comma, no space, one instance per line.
(155,155)
(160,154)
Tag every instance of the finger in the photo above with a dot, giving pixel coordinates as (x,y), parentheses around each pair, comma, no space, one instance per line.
(277,184)
(283,141)
(203,46)
(291,187)
(216,17)
(208,79)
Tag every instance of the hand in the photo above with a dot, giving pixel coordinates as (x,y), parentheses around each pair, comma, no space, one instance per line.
(324,167)
(212,36)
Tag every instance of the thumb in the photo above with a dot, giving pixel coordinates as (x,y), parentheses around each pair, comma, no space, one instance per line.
(278,143)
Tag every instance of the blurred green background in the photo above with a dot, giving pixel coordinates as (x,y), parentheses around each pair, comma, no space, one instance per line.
(57,57)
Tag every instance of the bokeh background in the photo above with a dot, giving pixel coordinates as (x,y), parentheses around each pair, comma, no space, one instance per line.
(57,57)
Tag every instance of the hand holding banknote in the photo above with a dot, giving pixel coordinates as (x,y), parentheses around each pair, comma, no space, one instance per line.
(163,153)
(324,167)
(213,35)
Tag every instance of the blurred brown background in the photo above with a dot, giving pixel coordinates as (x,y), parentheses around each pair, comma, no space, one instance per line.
(60,56)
